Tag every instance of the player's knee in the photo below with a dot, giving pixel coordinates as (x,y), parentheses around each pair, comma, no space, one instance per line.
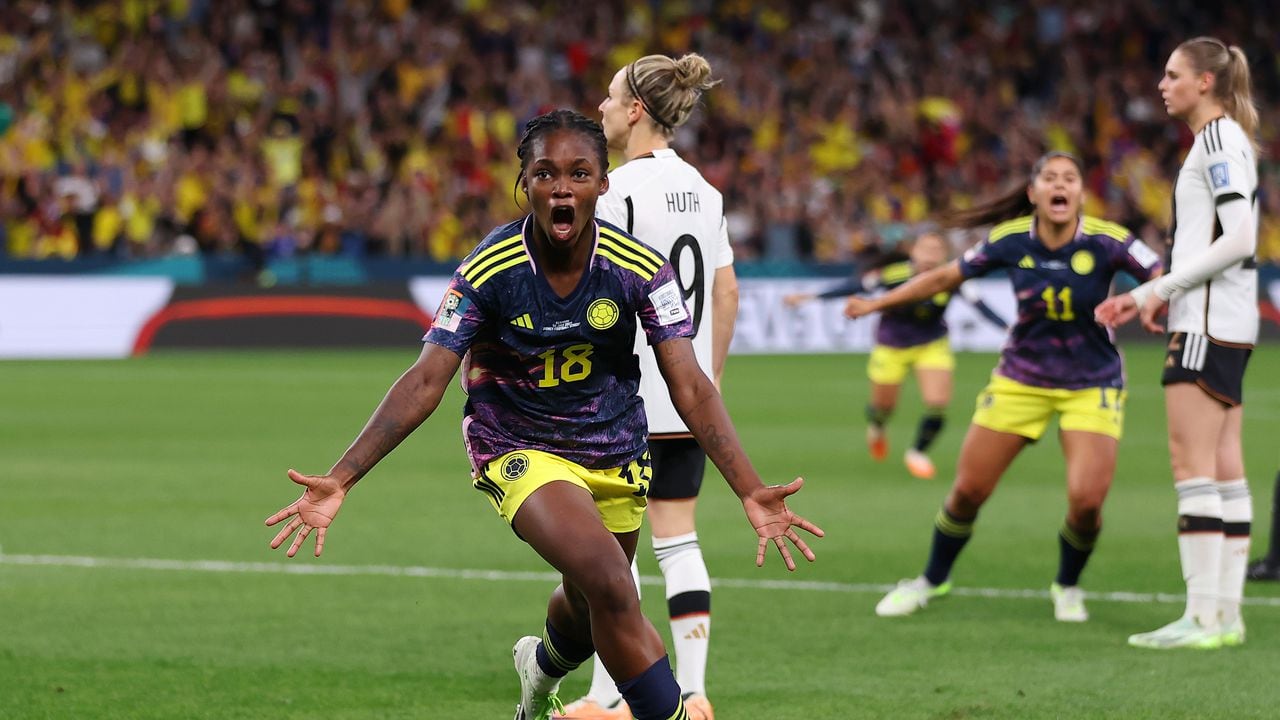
(611,592)
(1085,513)
(967,497)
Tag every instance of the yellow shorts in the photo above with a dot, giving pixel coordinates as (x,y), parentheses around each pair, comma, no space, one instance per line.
(1008,406)
(889,365)
(619,493)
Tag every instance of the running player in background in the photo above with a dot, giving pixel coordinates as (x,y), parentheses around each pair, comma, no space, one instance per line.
(545,312)
(663,200)
(1057,361)
(1212,296)
(907,337)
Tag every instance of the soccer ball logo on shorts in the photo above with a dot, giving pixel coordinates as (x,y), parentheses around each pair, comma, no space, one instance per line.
(515,466)
(602,314)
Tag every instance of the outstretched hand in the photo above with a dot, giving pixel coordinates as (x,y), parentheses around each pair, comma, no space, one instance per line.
(767,510)
(857,307)
(317,507)
(1116,310)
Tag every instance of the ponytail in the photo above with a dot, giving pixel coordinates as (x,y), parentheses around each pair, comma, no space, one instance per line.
(1237,96)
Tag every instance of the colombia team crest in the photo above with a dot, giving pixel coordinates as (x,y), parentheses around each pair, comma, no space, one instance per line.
(1082,262)
(515,466)
(602,314)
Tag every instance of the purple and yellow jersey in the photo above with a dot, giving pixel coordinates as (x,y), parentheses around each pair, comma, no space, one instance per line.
(910,325)
(1055,342)
(557,374)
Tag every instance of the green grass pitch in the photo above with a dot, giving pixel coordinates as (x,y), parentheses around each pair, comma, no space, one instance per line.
(178,457)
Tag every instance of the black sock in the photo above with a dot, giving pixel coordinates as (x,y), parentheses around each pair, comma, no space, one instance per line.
(1273,554)
(558,655)
(654,694)
(1074,548)
(950,534)
(878,416)
(930,426)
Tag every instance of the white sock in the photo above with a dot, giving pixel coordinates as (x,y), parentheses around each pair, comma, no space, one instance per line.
(689,604)
(1237,514)
(1200,546)
(603,689)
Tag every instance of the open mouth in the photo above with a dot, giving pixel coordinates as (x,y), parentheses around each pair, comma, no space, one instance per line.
(1058,202)
(562,220)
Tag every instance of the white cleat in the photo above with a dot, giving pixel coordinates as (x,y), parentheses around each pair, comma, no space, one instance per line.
(910,596)
(1185,632)
(1068,603)
(535,703)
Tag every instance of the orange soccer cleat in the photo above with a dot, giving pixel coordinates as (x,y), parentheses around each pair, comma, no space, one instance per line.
(919,464)
(587,708)
(877,443)
(698,707)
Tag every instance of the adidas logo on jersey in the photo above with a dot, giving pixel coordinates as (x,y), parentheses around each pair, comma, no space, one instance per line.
(1027,263)
(524,321)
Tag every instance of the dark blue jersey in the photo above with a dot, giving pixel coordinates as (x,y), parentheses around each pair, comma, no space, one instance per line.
(1055,342)
(557,374)
(909,325)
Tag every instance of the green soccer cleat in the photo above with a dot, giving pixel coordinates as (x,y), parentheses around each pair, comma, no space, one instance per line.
(1185,632)
(910,596)
(535,704)
(1068,603)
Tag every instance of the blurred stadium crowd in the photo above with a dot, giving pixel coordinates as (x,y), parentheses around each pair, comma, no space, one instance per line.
(141,128)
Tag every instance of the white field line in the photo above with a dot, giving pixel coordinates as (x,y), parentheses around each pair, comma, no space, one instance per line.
(410,571)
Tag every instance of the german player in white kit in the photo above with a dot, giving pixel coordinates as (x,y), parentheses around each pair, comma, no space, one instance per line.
(665,201)
(1211,288)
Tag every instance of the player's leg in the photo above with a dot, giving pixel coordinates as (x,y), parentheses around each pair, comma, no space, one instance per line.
(1091,466)
(933,373)
(886,369)
(1195,421)
(678,467)
(1267,567)
(1237,519)
(597,603)
(984,457)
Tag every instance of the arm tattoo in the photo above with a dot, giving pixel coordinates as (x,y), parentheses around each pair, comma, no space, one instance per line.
(716,443)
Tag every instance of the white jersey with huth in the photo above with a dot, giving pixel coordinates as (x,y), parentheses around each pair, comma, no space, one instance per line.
(1220,168)
(667,204)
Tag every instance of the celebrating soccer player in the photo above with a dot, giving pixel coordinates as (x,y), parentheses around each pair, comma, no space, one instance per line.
(545,311)
(907,337)
(1057,361)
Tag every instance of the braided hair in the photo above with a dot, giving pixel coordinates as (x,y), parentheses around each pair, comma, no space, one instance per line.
(561,120)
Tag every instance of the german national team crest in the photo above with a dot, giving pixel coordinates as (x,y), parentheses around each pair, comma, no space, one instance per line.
(1082,262)
(515,466)
(602,314)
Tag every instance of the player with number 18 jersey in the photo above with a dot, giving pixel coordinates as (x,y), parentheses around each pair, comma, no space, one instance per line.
(567,364)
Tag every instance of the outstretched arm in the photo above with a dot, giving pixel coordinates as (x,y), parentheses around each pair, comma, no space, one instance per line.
(701,408)
(406,405)
(940,279)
